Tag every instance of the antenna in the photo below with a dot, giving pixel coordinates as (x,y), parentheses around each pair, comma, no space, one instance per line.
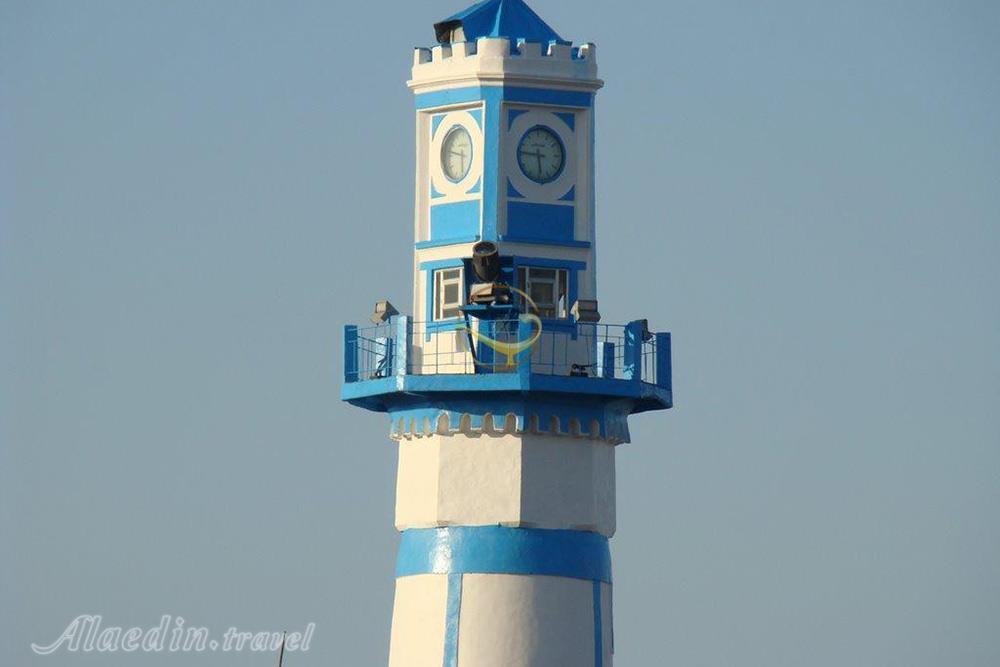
(281,653)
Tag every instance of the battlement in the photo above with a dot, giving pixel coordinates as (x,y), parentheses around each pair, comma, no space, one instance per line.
(498,59)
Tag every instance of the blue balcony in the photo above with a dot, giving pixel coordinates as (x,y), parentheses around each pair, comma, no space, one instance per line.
(388,364)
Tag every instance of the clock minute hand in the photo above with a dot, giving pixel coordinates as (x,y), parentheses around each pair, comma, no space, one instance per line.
(537,155)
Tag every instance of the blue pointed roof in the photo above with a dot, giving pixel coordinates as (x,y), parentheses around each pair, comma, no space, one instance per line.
(512,19)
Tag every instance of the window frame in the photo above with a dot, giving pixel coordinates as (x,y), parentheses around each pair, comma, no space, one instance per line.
(439,306)
(560,279)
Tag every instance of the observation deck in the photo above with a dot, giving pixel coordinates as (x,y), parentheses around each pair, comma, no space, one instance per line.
(402,363)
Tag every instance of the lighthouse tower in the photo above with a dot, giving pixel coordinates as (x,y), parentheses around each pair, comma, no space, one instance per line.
(505,392)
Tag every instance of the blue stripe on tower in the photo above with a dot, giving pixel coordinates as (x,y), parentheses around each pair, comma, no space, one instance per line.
(491,172)
(499,550)
(453,617)
(506,94)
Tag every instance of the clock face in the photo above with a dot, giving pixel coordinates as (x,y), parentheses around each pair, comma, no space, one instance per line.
(456,153)
(540,155)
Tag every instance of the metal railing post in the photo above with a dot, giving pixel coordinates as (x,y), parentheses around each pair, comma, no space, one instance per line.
(524,332)
(664,372)
(350,353)
(401,351)
(632,363)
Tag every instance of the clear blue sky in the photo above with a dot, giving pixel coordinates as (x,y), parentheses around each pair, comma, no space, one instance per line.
(196,196)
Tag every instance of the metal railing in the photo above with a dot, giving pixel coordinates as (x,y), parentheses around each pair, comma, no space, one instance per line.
(405,347)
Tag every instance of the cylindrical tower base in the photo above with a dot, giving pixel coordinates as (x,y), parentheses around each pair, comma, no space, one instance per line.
(502,597)
(504,557)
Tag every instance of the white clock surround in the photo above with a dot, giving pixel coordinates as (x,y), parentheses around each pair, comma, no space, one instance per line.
(552,191)
(456,190)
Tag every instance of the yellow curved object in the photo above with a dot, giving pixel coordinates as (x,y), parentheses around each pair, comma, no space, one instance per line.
(511,350)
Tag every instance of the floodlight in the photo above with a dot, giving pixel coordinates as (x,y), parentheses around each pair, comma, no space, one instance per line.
(585,310)
(486,261)
(383,311)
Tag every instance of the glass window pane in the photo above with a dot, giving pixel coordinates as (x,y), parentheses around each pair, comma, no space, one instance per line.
(543,294)
(447,293)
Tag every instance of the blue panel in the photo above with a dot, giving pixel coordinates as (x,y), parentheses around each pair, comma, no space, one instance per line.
(444,242)
(452,263)
(477,115)
(453,617)
(512,114)
(543,222)
(569,119)
(546,263)
(566,244)
(451,96)
(524,359)
(632,369)
(569,196)
(449,324)
(499,550)
(442,98)
(484,353)
(512,191)
(350,353)
(598,629)
(436,122)
(455,220)
(663,371)
(491,173)
(543,96)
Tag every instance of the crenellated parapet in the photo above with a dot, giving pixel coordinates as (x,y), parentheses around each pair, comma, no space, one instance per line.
(498,60)
(583,420)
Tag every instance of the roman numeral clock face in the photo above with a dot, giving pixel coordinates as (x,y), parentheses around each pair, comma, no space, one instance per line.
(540,155)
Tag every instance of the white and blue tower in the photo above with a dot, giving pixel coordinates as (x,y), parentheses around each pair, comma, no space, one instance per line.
(505,392)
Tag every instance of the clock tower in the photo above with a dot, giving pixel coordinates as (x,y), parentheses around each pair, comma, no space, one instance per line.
(506,394)
(505,138)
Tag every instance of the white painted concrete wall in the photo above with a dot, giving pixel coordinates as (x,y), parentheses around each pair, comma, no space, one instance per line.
(504,621)
(418,620)
(526,621)
(518,480)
